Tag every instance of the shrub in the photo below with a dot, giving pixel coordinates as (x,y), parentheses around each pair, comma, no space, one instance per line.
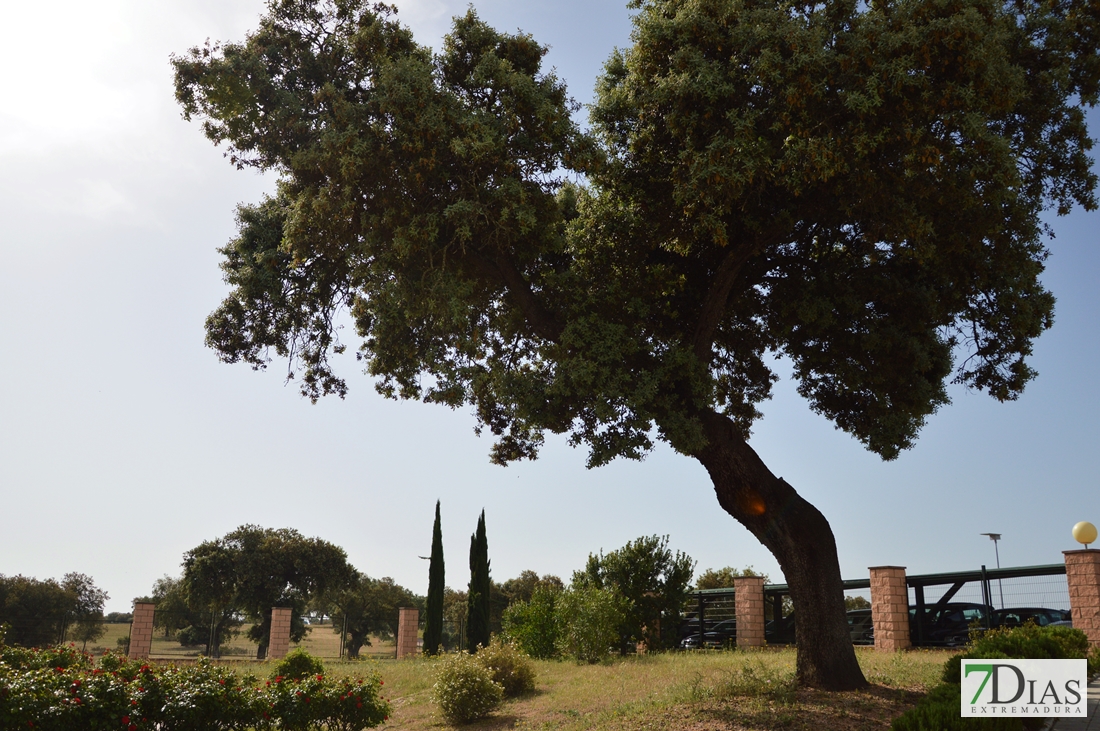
(589,621)
(298,664)
(465,690)
(532,625)
(508,667)
(1094,661)
(1024,642)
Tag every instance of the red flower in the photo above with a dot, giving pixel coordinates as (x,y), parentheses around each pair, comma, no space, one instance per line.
(125,720)
(132,727)
(381,682)
(358,705)
(320,677)
(133,703)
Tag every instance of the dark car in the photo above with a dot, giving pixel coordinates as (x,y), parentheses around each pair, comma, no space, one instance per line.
(947,625)
(780,632)
(1040,616)
(721,634)
(860,628)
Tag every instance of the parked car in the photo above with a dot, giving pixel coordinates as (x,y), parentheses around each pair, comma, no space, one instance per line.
(780,632)
(860,628)
(1041,616)
(947,625)
(721,634)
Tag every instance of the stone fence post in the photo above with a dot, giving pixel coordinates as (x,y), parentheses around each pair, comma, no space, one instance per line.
(141,630)
(748,603)
(1083,578)
(890,607)
(408,620)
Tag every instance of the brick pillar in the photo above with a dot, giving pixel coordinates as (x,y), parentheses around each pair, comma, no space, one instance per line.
(278,642)
(749,609)
(141,630)
(1083,577)
(407,622)
(890,607)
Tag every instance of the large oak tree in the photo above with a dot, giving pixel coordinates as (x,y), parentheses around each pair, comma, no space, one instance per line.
(855,186)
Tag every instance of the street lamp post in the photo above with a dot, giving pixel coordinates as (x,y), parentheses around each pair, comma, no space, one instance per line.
(996,537)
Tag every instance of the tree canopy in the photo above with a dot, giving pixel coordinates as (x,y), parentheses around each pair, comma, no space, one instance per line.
(855,186)
(653,579)
(252,569)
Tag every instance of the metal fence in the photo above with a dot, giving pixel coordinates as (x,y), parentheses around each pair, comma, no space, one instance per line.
(1023,586)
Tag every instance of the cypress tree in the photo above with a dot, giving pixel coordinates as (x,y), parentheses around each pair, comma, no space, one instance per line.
(433,622)
(477,623)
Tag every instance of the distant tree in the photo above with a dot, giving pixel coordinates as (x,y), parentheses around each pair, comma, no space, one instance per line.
(522,587)
(85,621)
(433,622)
(723,578)
(36,612)
(45,612)
(191,618)
(368,607)
(480,590)
(253,569)
(856,602)
(655,582)
(455,606)
(119,617)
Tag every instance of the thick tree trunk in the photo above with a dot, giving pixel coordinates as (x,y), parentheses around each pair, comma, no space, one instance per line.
(802,542)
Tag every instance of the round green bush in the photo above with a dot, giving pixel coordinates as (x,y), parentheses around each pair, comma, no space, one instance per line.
(465,690)
(508,666)
(298,664)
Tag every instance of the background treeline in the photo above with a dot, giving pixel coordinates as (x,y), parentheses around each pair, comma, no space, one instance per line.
(229,585)
(39,613)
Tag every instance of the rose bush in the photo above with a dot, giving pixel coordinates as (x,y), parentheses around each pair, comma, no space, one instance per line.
(59,689)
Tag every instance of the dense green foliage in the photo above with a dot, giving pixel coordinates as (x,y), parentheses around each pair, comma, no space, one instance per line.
(479,596)
(654,580)
(252,569)
(433,620)
(39,613)
(589,620)
(298,665)
(464,689)
(856,185)
(59,689)
(533,624)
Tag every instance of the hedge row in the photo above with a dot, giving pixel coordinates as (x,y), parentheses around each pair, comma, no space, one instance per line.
(62,689)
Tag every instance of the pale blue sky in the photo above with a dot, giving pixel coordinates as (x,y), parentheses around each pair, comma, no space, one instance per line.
(124,442)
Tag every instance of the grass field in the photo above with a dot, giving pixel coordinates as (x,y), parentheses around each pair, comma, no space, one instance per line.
(694,691)
(698,691)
